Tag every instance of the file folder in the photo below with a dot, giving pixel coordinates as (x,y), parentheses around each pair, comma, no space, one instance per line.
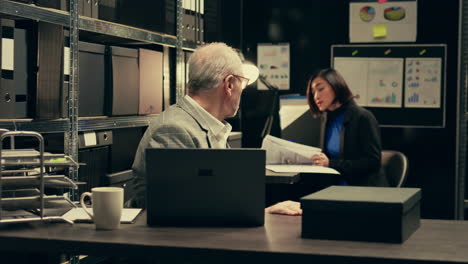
(87,4)
(188,29)
(95,8)
(92,79)
(155,15)
(66,75)
(107,10)
(57,4)
(7,66)
(49,76)
(151,82)
(124,82)
(21,73)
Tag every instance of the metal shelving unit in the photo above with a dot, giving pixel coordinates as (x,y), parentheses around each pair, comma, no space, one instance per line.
(30,11)
(91,25)
(84,124)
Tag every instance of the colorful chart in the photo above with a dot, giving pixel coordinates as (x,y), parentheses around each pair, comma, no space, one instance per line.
(367,13)
(394,13)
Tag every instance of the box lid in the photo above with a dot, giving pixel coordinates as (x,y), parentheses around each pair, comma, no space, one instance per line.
(362,199)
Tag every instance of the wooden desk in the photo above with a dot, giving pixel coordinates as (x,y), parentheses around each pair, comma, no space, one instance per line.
(278,242)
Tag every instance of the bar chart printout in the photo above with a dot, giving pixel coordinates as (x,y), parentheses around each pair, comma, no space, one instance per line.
(423,82)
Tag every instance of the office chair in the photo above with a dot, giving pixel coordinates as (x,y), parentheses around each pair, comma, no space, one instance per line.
(395,165)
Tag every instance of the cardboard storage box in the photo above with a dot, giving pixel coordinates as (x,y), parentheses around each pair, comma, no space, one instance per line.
(361,213)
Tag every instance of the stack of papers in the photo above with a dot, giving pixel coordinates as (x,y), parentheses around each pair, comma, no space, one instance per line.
(79,215)
(286,156)
(301,168)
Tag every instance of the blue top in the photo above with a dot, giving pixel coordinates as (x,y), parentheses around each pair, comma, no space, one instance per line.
(333,130)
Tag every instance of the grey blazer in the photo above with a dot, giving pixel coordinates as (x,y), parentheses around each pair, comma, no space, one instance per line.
(180,126)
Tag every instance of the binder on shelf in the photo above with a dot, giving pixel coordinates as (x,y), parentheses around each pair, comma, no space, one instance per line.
(167,77)
(188,29)
(66,75)
(65,6)
(57,4)
(155,15)
(124,80)
(193,20)
(92,79)
(7,81)
(21,73)
(25,1)
(49,75)
(95,139)
(87,7)
(95,8)
(107,10)
(151,82)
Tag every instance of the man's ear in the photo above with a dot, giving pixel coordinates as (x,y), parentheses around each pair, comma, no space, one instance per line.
(229,85)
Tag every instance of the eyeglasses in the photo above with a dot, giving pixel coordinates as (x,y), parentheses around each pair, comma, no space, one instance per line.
(244,81)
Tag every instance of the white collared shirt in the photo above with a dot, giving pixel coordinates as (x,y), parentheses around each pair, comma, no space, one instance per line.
(220,130)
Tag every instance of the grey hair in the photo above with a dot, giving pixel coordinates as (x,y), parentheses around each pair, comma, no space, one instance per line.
(210,64)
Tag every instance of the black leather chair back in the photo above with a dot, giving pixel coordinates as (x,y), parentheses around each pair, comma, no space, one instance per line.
(395,165)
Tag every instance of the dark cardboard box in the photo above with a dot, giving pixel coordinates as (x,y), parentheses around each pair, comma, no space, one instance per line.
(375,214)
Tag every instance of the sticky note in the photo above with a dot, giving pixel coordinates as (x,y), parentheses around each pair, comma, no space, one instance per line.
(380,31)
(382,1)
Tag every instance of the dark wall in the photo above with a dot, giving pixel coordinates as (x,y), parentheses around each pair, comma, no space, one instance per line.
(311,27)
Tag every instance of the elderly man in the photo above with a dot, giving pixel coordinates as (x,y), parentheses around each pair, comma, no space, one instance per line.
(216,80)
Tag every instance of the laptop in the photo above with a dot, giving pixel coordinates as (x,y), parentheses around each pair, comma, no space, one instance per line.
(205,187)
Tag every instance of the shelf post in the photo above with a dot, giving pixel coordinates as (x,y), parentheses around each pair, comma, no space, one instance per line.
(71,134)
(180,64)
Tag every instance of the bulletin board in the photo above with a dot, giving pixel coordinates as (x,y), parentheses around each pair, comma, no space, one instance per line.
(402,85)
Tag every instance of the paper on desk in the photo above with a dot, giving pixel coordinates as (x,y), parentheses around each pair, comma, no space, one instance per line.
(79,215)
(280,151)
(301,169)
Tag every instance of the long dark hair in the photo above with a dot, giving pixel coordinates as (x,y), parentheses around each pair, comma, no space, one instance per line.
(342,92)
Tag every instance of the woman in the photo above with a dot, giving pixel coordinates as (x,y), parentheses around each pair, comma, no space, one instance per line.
(350,137)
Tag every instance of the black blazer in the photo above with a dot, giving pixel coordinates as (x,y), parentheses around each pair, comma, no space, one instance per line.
(360,147)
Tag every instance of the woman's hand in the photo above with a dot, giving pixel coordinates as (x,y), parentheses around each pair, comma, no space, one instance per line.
(286,208)
(320,160)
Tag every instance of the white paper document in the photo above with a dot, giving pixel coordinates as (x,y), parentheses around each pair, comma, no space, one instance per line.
(423,82)
(280,151)
(301,168)
(79,215)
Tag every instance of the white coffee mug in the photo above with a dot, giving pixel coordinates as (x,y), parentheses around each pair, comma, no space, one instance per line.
(107,205)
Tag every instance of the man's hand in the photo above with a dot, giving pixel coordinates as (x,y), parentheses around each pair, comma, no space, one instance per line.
(286,208)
